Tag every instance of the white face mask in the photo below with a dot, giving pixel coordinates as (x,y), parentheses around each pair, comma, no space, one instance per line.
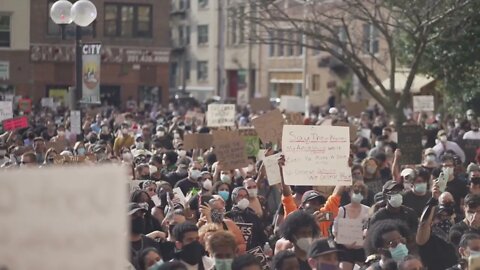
(378,144)
(424,142)
(207,184)
(243,204)
(357,197)
(304,243)
(252,192)
(430,158)
(139,145)
(160,133)
(195,174)
(395,200)
(181,153)
(250,168)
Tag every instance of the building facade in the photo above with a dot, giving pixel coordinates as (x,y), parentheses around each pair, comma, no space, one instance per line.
(134,57)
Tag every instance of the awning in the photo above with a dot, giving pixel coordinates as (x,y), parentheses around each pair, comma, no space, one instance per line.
(401,77)
(193,88)
(286,77)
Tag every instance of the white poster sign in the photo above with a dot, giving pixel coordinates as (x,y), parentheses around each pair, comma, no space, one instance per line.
(48,102)
(75,122)
(349,231)
(292,104)
(316,155)
(55,221)
(221,115)
(4,70)
(242,97)
(423,104)
(272,169)
(6,110)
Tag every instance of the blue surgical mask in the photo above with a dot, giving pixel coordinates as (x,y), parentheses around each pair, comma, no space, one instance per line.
(223,264)
(224,194)
(421,188)
(399,252)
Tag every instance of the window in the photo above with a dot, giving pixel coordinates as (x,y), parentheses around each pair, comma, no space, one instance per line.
(5,30)
(181,35)
(133,21)
(271,46)
(54,29)
(315,82)
(187,35)
(280,43)
(202,70)
(233,26)
(241,25)
(291,40)
(202,32)
(300,44)
(370,39)
(187,70)
(202,3)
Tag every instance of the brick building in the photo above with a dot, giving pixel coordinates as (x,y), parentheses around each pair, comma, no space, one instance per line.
(135,51)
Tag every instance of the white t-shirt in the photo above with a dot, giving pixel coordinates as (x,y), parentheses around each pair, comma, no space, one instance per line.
(363,216)
(472,135)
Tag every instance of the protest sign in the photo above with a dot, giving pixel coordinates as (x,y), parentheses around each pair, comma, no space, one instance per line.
(260,256)
(193,117)
(352,129)
(69,217)
(292,104)
(134,185)
(316,155)
(252,145)
(197,140)
(260,104)
(25,105)
(423,104)
(356,108)
(294,118)
(246,229)
(230,149)
(272,169)
(15,123)
(269,126)
(470,148)
(75,122)
(6,110)
(221,115)
(261,154)
(366,133)
(48,102)
(242,97)
(410,141)
(58,145)
(349,231)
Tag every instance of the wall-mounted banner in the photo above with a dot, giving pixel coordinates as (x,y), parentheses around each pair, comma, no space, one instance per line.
(91,58)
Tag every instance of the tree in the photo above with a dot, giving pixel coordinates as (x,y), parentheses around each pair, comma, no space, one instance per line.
(361,34)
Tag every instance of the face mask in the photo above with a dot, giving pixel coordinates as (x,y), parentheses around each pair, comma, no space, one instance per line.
(195,174)
(430,158)
(424,142)
(395,200)
(448,172)
(243,204)
(420,188)
(224,194)
(470,117)
(444,225)
(223,264)
(182,153)
(217,215)
(378,144)
(207,184)
(250,168)
(127,156)
(253,192)
(399,252)
(160,133)
(225,178)
(443,138)
(304,243)
(61,133)
(192,253)
(105,130)
(81,151)
(139,145)
(356,197)
(474,253)
(371,169)
(156,265)
(138,225)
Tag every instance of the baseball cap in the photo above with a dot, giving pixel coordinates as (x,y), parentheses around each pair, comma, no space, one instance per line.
(135,207)
(392,185)
(312,195)
(322,247)
(472,167)
(408,173)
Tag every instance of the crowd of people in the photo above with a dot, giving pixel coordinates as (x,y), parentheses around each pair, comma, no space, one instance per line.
(187,211)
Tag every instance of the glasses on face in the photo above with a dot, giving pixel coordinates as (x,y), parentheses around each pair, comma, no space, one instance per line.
(395,242)
(251,187)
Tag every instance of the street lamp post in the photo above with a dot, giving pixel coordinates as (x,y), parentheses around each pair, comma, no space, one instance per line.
(82,13)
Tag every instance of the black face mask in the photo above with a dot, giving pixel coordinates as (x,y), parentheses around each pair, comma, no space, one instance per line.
(137,225)
(192,253)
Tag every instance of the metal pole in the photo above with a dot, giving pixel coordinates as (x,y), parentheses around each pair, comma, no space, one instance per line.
(77,94)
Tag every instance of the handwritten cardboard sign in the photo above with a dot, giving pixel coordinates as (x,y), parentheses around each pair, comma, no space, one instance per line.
(352,129)
(356,108)
(15,123)
(6,110)
(221,115)
(260,256)
(272,169)
(193,117)
(410,141)
(260,104)
(269,126)
(230,149)
(349,231)
(71,212)
(292,104)
(200,141)
(423,104)
(316,155)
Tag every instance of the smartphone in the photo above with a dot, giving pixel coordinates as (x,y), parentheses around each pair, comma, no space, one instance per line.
(442,182)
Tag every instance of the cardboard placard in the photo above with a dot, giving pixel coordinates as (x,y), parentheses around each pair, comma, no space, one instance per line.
(316,155)
(15,123)
(260,104)
(269,126)
(242,97)
(71,212)
(356,108)
(352,129)
(197,140)
(260,256)
(349,231)
(470,148)
(25,105)
(193,117)
(410,142)
(6,110)
(272,169)
(423,104)
(247,132)
(230,149)
(246,229)
(292,104)
(221,115)
(58,145)
(294,118)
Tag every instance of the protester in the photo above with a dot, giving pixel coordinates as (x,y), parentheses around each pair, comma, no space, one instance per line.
(469,247)
(471,223)
(223,249)
(323,254)
(419,195)
(246,262)
(189,250)
(285,260)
